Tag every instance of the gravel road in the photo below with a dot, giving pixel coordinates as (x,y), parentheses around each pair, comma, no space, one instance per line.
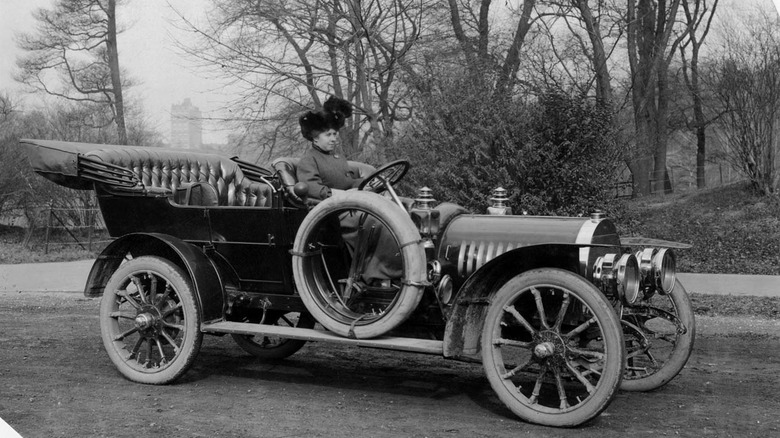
(56,380)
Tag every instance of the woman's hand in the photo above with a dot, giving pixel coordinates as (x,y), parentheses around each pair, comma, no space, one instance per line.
(336,192)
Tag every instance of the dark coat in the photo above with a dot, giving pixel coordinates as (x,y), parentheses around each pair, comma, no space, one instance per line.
(323,171)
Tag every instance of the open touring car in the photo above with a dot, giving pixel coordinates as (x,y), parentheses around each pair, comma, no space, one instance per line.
(561,312)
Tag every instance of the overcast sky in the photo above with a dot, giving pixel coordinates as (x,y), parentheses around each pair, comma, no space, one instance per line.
(147,52)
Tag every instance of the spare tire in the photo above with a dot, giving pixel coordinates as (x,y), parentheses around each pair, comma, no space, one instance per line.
(337,250)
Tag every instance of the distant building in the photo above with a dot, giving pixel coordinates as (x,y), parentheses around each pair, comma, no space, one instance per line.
(186,126)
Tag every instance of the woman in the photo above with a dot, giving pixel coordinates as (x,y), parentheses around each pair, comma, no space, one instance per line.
(327,172)
(322,168)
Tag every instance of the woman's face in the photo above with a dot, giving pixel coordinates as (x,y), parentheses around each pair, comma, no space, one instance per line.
(327,140)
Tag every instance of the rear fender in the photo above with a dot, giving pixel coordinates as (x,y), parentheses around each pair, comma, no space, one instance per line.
(205,276)
(464,326)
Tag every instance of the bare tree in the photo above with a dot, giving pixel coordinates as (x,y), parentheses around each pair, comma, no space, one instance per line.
(18,186)
(652,44)
(698,16)
(471,27)
(598,54)
(595,29)
(74,56)
(749,89)
(10,156)
(287,56)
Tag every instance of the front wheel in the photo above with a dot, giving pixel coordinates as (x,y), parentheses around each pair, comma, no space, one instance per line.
(659,335)
(149,321)
(552,348)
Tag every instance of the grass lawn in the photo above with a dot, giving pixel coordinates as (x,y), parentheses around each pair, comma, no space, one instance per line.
(13,250)
(732,230)
(730,305)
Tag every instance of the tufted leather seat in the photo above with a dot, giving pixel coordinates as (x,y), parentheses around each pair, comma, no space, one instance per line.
(167,171)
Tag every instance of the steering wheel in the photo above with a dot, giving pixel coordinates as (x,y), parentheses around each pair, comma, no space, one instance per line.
(387,175)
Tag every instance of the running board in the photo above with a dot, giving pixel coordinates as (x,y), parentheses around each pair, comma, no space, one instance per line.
(413,345)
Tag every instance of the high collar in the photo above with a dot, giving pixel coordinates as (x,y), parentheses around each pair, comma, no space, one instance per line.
(320,150)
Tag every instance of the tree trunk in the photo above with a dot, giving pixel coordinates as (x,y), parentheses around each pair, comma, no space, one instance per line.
(695,11)
(116,80)
(460,33)
(772,171)
(512,61)
(641,164)
(698,119)
(646,135)
(640,170)
(661,145)
(699,122)
(603,78)
(701,158)
(649,27)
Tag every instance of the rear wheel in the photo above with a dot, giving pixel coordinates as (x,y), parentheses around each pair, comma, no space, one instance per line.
(274,347)
(659,337)
(552,348)
(149,321)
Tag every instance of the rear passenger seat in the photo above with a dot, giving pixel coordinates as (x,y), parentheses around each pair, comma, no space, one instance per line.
(195,178)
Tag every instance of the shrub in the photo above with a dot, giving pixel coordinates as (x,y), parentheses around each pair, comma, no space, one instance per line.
(554,155)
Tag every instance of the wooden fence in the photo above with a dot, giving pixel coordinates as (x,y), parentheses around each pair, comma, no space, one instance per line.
(53,224)
(57,221)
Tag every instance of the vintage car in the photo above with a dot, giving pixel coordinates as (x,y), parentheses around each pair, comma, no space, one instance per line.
(561,312)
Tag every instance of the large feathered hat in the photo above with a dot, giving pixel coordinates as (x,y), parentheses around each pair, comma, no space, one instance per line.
(333,115)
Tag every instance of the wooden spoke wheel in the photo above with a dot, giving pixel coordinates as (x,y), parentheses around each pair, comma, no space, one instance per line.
(659,336)
(275,347)
(552,348)
(149,321)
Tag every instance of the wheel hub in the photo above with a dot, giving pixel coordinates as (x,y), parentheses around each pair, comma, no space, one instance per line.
(549,347)
(145,321)
(545,349)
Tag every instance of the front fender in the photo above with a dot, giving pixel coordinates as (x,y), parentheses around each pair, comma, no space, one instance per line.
(206,278)
(464,326)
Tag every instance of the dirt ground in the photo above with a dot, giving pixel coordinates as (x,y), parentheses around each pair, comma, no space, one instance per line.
(56,380)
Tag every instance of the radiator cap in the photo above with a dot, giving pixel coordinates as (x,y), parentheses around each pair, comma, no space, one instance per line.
(597,214)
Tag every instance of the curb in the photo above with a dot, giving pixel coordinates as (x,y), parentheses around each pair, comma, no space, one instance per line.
(45,277)
(731,284)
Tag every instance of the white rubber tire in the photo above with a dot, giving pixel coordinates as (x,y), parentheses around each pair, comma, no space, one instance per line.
(116,312)
(494,356)
(310,284)
(682,347)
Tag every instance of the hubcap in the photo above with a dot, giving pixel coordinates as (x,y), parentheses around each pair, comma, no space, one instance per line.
(549,348)
(144,321)
(545,349)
